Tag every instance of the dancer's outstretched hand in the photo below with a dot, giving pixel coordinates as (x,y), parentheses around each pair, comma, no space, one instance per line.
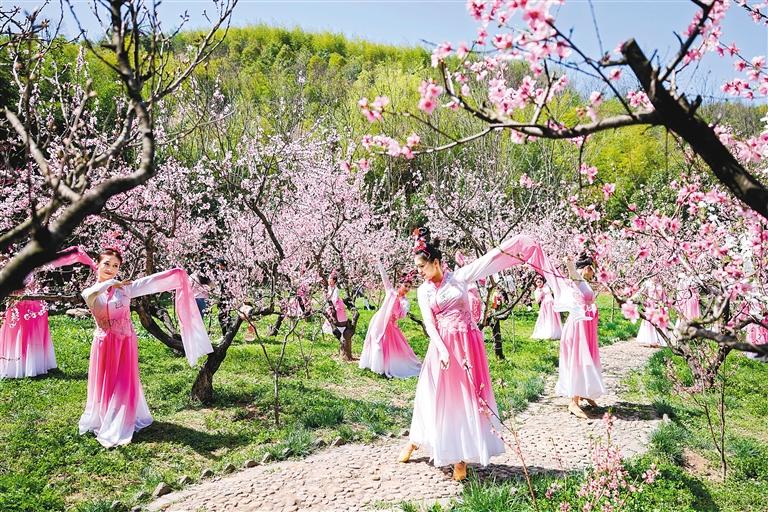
(121,284)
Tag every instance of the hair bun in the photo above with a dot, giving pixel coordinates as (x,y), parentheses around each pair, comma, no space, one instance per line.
(584,260)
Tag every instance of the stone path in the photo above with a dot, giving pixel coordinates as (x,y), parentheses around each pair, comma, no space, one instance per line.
(358,477)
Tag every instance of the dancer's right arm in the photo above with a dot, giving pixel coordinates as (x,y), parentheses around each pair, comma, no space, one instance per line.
(429,325)
(90,293)
(383,274)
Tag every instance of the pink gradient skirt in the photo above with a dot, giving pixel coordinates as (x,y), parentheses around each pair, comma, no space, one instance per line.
(26,348)
(116,407)
(392,356)
(454,412)
(649,336)
(548,325)
(580,371)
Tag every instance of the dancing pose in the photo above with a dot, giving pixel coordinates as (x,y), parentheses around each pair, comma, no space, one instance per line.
(455,419)
(580,372)
(386,351)
(116,407)
(648,334)
(475,301)
(548,326)
(336,308)
(26,349)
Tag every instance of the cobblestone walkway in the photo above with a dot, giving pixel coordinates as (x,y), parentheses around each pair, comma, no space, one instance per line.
(358,477)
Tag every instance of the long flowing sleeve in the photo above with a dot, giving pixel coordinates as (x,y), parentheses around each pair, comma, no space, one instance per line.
(194,336)
(384,277)
(514,251)
(429,324)
(404,307)
(72,255)
(90,293)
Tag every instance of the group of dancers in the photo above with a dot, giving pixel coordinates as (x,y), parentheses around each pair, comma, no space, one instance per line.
(115,405)
(455,417)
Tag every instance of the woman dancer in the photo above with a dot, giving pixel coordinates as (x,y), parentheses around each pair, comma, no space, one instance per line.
(116,407)
(455,419)
(690,308)
(336,308)
(648,335)
(386,351)
(580,372)
(548,326)
(26,349)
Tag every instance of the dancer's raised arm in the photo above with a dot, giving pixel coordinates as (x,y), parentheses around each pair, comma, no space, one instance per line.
(193,333)
(512,252)
(383,274)
(429,325)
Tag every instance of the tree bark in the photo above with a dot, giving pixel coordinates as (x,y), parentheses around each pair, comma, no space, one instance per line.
(497,346)
(168,336)
(202,389)
(276,327)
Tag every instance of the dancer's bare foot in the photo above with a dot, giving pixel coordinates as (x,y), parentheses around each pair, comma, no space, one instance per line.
(574,409)
(591,402)
(460,471)
(405,453)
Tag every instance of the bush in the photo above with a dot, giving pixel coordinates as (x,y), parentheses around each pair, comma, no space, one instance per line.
(28,493)
(323,417)
(749,459)
(668,441)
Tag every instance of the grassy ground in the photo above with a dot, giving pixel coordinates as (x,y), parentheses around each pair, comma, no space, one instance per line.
(46,465)
(682,450)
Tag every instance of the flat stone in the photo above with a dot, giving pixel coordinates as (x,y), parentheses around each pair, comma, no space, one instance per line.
(117,506)
(250,463)
(229,468)
(161,490)
(285,453)
(266,458)
(338,442)
(319,443)
(206,473)
(185,480)
(404,432)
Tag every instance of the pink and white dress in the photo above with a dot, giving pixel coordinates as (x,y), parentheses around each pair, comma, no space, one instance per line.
(648,335)
(455,417)
(580,371)
(116,407)
(548,325)
(386,351)
(757,335)
(26,348)
(341,310)
(691,307)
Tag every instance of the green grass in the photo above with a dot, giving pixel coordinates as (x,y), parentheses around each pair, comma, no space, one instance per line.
(46,465)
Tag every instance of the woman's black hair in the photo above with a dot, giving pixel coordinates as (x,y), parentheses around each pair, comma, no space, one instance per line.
(584,260)
(425,247)
(111,251)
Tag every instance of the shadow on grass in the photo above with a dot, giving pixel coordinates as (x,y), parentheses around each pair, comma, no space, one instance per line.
(67,375)
(627,411)
(200,441)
